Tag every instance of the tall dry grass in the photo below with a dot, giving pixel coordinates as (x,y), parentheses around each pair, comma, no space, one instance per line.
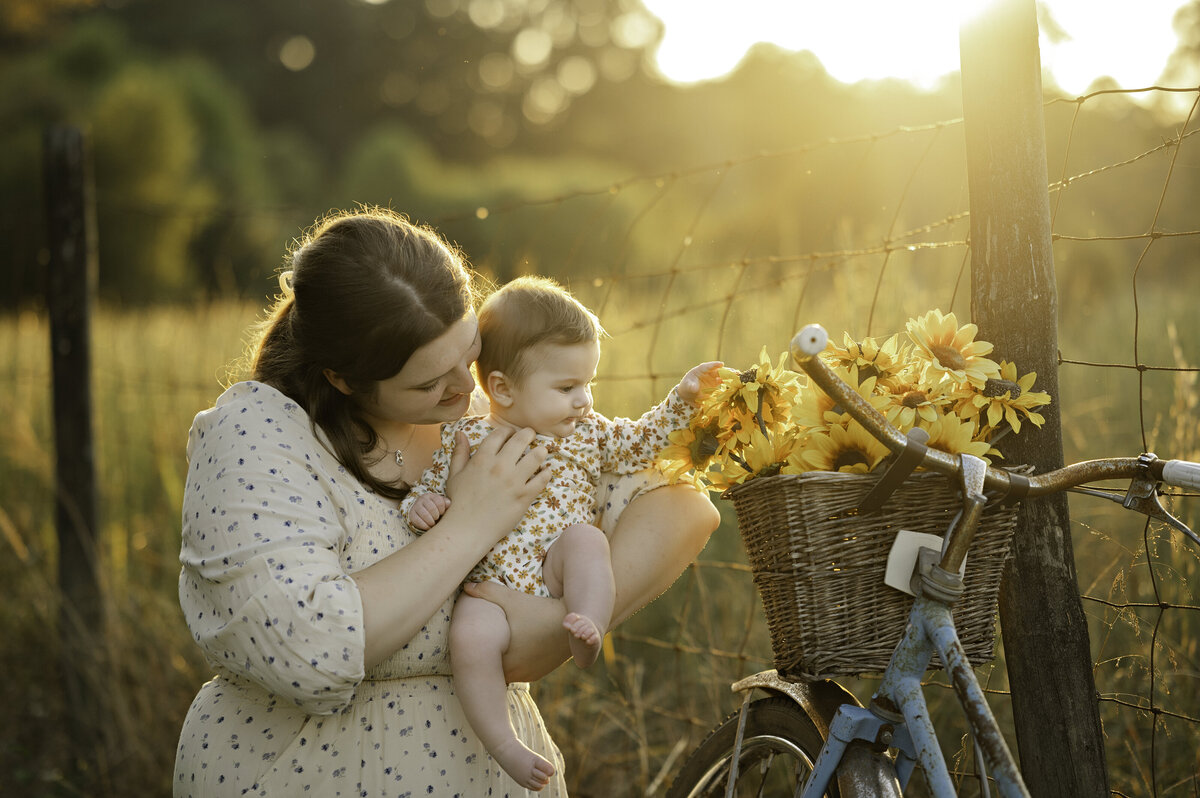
(625,724)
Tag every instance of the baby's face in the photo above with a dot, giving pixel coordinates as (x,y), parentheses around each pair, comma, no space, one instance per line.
(557,391)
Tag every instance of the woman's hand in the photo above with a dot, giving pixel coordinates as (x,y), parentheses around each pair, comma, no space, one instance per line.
(490,491)
(492,488)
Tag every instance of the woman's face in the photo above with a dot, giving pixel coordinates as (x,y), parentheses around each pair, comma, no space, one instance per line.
(435,384)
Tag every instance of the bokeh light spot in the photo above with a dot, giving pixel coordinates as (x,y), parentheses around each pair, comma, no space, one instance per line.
(634,30)
(441,9)
(576,74)
(496,70)
(486,14)
(532,46)
(297,53)
(545,99)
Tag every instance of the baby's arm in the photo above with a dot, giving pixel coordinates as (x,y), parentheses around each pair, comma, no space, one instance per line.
(426,509)
(426,501)
(630,446)
(699,378)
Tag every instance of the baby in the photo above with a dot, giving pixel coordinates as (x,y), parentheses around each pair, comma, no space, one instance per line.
(540,349)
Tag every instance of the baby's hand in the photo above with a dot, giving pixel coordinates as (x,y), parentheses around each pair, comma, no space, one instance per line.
(700,377)
(426,510)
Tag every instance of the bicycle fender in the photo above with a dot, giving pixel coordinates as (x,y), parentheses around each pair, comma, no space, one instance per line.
(862,772)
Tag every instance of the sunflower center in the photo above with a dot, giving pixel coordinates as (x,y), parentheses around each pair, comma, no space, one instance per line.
(748,376)
(949,357)
(914,399)
(996,387)
(849,457)
(705,445)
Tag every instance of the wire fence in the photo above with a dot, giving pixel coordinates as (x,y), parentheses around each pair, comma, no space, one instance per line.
(1124,312)
(680,272)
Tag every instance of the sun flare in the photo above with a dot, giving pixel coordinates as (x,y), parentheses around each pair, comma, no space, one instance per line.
(918,42)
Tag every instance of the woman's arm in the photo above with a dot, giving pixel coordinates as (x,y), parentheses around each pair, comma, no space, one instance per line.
(489,492)
(655,539)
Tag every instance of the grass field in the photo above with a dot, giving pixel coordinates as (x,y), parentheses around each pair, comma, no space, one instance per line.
(624,724)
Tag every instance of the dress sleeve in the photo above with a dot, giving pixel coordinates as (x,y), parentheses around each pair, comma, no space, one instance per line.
(628,446)
(263,586)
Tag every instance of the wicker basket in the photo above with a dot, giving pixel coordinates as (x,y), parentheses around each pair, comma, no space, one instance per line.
(819,567)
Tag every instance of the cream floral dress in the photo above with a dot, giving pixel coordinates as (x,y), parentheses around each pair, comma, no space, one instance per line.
(579,463)
(273,528)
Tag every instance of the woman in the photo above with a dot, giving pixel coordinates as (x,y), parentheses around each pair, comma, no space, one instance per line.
(325,618)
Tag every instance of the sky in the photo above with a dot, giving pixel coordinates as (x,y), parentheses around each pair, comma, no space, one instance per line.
(916,41)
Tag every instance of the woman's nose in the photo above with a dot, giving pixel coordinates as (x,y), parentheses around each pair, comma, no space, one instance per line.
(462,381)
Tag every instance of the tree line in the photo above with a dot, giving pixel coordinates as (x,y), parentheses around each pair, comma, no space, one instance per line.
(219,129)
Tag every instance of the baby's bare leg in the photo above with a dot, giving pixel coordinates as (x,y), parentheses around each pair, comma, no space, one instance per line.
(478,638)
(579,569)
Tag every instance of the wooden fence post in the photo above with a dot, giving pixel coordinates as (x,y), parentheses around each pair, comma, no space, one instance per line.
(1015,304)
(70,288)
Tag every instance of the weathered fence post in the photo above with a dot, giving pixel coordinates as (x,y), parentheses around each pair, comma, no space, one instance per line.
(1014,302)
(70,287)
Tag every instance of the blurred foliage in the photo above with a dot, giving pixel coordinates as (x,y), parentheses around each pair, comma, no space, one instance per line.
(31,18)
(219,129)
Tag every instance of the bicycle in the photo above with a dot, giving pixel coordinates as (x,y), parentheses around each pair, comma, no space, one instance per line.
(812,737)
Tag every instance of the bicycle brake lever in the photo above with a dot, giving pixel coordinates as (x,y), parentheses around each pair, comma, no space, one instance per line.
(1142,496)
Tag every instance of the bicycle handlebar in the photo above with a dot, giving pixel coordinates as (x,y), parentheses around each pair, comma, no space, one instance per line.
(1182,474)
(811,341)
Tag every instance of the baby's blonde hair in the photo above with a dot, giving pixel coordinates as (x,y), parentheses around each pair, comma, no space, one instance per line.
(523,313)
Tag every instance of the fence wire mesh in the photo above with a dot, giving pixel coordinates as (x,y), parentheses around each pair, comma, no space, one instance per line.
(679,274)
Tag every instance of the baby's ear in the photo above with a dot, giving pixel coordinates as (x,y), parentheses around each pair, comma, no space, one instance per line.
(499,388)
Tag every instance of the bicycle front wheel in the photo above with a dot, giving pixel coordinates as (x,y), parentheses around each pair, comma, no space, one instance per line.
(779,747)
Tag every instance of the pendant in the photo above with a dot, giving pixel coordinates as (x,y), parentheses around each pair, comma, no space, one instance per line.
(400,458)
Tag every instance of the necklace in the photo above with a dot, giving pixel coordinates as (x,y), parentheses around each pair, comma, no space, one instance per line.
(400,452)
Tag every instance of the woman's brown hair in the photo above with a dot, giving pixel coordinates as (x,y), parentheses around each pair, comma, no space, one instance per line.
(368,288)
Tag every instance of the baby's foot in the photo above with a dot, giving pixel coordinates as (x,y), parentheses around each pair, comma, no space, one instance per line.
(526,768)
(584,638)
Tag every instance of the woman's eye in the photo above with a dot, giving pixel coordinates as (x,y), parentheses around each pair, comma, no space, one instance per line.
(428,388)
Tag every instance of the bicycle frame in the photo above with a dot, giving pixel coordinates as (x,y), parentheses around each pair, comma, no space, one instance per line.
(899,718)
(862,770)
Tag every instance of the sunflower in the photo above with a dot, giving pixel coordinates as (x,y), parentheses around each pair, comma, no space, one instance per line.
(910,403)
(688,454)
(887,362)
(950,350)
(761,396)
(770,420)
(844,447)
(952,435)
(1005,399)
(762,456)
(816,409)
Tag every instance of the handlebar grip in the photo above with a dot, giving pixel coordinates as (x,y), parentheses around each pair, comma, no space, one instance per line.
(1182,474)
(809,342)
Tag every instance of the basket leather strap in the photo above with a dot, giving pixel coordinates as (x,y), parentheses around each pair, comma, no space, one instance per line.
(897,472)
(1018,488)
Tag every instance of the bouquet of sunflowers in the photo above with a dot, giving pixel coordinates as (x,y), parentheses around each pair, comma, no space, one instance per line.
(770,420)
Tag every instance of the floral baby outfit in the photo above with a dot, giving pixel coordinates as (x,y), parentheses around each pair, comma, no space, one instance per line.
(598,445)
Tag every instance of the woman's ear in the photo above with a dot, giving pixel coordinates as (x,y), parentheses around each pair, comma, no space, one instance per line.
(337,382)
(499,388)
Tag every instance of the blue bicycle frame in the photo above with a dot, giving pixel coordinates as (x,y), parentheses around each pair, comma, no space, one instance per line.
(898,716)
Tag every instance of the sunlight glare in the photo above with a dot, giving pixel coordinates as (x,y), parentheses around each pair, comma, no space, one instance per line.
(918,42)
